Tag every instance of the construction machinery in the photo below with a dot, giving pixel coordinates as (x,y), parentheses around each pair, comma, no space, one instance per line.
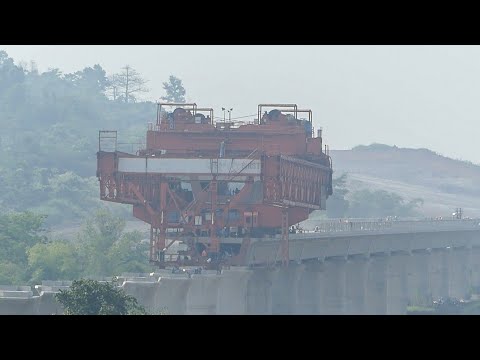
(207,188)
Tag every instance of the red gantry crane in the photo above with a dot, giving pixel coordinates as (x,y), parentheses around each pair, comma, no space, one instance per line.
(213,186)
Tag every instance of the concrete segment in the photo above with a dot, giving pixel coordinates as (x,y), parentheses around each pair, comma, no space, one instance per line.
(285,289)
(356,284)
(202,295)
(459,285)
(333,289)
(259,297)
(310,296)
(232,291)
(361,274)
(376,294)
(397,293)
(475,269)
(438,273)
(418,281)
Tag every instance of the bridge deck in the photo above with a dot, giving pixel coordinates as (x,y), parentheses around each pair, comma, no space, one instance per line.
(366,239)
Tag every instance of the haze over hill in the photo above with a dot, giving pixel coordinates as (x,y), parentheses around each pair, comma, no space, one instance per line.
(411,96)
(50,116)
(442,183)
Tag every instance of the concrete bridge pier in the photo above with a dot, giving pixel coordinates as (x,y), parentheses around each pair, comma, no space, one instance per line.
(475,269)
(232,291)
(376,294)
(397,293)
(171,296)
(144,292)
(419,292)
(310,295)
(285,289)
(438,273)
(259,294)
(202,295)
(333,288)
(46,304)
(356,284)
(459,277)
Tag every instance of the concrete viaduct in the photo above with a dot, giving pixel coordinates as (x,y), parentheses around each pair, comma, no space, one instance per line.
(355,267)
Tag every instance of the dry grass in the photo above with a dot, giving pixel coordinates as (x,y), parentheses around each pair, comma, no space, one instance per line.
(443,183)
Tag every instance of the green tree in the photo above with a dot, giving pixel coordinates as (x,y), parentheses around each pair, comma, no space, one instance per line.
(91,79)
(107,250)
(10,74)
(175,92)
(337,204)
(129,254)
(103,229)
(381,203)
(46,140)
(98,235)
(12,274)
(19,232)
(53,261)
(90,297)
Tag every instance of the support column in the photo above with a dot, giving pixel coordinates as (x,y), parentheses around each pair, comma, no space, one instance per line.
(171,295)
(259,295)
(356,284)
(144,292)
(459,282)
(285,289)
(419,293)
(232,291)
(475,269)
(310,284)
(438,269)
(334,286)
(397,293)
(202,295)
(376,295)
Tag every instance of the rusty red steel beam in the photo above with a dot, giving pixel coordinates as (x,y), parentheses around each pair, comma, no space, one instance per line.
(139,195)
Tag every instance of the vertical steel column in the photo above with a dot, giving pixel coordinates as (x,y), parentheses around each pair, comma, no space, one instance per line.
(285,254)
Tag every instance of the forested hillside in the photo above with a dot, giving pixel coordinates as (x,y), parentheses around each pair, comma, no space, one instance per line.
(441,182)
(49,136)
(49,123)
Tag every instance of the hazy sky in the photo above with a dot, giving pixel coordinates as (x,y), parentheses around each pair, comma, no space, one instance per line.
(409,96)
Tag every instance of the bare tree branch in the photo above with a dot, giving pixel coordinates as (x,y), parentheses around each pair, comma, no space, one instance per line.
(127,83)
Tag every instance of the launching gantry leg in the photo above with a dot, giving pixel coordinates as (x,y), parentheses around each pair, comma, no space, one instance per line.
(214,241)
(158,236)
(285,231)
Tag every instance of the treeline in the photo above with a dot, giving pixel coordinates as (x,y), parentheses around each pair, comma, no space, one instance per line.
(368,203)
(102,248)
(49,125)
(52,119)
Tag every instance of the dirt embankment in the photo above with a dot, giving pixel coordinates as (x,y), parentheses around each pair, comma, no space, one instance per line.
(443,183)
